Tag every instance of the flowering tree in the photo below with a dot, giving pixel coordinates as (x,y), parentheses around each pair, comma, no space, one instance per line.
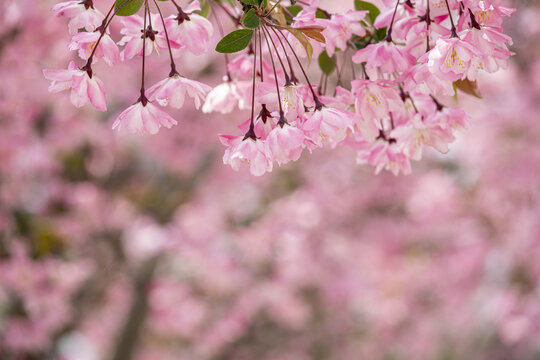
(142,247)
(402,62)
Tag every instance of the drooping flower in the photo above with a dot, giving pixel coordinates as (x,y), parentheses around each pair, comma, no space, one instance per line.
(190,30)
(376,99)
(84,85)
(225,97)
(82,14)
(86,41)
(285,143)
(172,91)
(246,151)
(340,27)
(143,117)
(453,59)
(133,41)
(412,137)
(328,124)
(384,56)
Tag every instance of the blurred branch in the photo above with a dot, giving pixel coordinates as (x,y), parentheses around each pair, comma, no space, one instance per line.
(129,334)
(8,37)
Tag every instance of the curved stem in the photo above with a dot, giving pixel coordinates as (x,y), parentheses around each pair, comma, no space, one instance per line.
(275,75)
(173,64)
(287,78)
(318,103)
(251,131)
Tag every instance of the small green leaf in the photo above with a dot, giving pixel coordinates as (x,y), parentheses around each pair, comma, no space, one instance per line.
(205,9)
(294,9)
(364,5)
(319,14)
(327,63)
(127,7)
(251,20)
(250,2)
(235,41)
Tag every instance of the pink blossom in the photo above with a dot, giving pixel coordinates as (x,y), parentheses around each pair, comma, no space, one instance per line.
(384,155)
(328,124)
(82,15)
(384,56)
(86,41)
(83,84)
(143,117)
(420,132)
(246,151)
(133,41)
(173,90)
(223,98)
(453,59)
(285,143)
(340,27)
(190,30)
(376,99)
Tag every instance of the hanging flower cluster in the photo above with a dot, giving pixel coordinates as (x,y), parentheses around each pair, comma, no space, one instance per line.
(385,75)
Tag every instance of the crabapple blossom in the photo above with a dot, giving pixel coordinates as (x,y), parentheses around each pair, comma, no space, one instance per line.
(107,49)
(84,85)
(174,89)
(250,151)
(190,30)
(285,143)
(388,71)
(83,14)
(143,117)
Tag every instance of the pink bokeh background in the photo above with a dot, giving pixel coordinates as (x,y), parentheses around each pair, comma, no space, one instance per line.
(124,247)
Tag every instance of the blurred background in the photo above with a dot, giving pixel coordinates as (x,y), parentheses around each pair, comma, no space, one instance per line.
(149,248)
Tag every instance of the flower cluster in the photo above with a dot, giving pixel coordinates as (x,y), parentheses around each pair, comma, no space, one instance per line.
(392,73)
(183,31)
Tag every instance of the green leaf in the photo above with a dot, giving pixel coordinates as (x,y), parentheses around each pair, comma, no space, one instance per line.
(294,9)
(319,14)
(235,41)
(250,2)
(251,20)
(127,8)
(205,9)
(364,5)
(327,63)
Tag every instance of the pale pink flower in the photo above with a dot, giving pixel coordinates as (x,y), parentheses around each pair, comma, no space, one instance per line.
(173,90)
(82,14)
(143,117)
(223,98)
(384,155)
(328,124)
(491,43)
(83,84)
(246,151)
(419,132)
(133,39)
(86,41)
(422,80)
(190,30)
(384,56)
(376,99)
(285,143)
(453,59)
(340,27)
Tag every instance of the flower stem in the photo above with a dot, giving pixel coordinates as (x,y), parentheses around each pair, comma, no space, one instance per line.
(173,64)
